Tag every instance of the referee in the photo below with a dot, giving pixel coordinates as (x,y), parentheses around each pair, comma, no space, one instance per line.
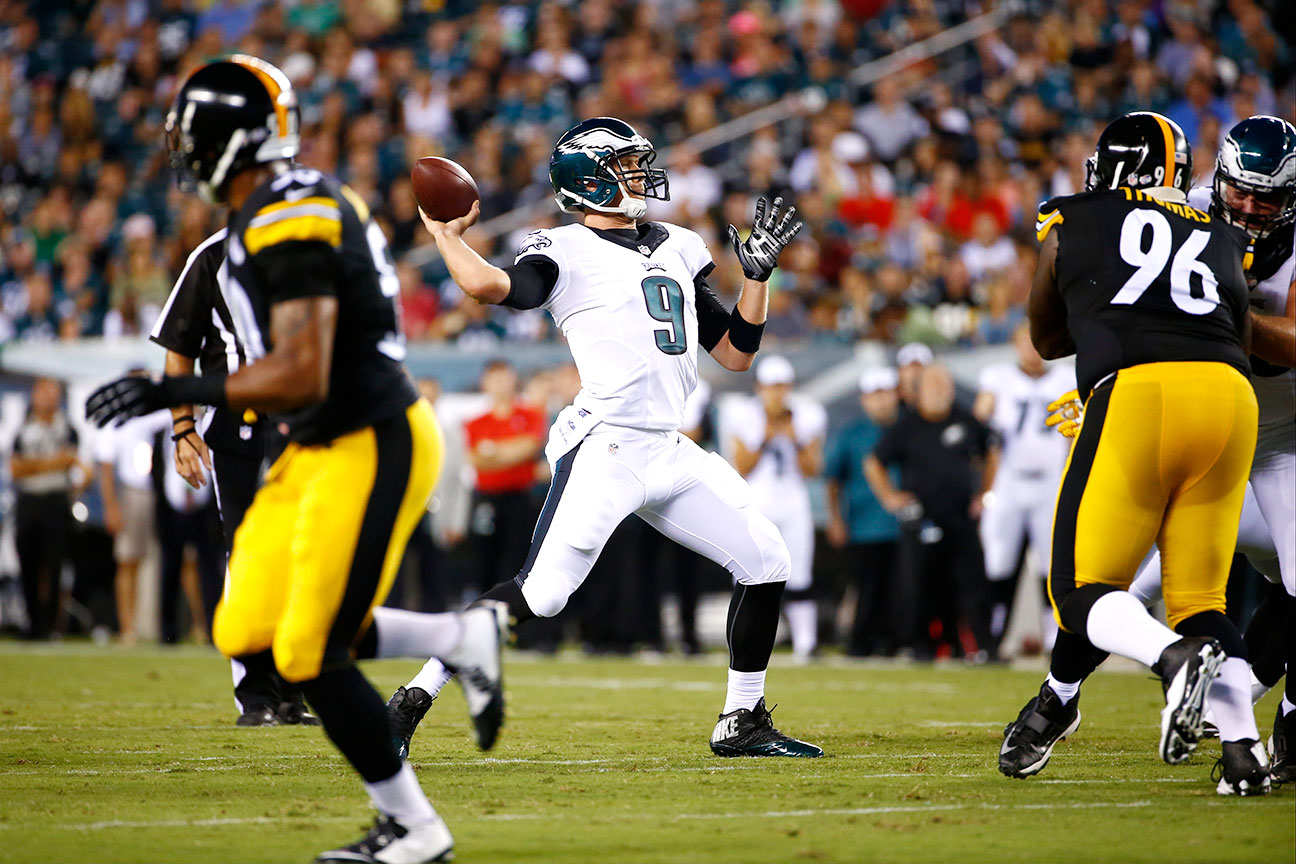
(196,325)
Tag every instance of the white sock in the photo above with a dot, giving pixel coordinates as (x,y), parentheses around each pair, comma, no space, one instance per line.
(432,677)
(1119,624)
(803,621)
(1065,692)
(745,689)
(1258,689)
(1229,699)
(416,634)
(1287,706)
(401,797)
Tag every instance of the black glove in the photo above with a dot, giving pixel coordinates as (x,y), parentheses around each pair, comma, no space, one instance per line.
(136,395)
(769,235)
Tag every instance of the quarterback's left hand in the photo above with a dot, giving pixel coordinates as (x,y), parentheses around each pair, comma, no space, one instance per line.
(1066,413)
(770,234)
(120,400)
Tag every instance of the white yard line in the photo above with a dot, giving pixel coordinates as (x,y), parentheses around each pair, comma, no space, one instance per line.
(917,808)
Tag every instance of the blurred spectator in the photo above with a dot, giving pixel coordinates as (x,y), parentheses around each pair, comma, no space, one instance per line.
(889,122)
(857,522)
(503,446)
(125,457)
(946,461)
(43,466)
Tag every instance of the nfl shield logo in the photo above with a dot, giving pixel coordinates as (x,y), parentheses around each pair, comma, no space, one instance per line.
(612,449)
(644,250)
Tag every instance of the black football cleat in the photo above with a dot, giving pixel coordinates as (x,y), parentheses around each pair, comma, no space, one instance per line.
(1242,769)
(405,709)
(390,842)
(1186,668)
(1282,766)
(751,732)
(1029,740)
(296,714)
(260,715)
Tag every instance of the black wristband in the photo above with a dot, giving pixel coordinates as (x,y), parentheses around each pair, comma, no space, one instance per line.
(744,335)
(190,431)
(184,418)
(199,390)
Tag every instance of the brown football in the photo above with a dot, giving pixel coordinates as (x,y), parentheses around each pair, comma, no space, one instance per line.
(443,188)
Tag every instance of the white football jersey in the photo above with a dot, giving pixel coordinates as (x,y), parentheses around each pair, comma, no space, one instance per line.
(1276,394)
(777,475)
(628,312)
(1029,448)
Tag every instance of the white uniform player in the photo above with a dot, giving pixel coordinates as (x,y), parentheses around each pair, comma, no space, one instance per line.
(632,303)
(1013,399)
(776,454)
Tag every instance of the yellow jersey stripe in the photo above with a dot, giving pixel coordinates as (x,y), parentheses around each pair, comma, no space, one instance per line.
(1169,178)
(298,209)
(1045,224)
(357,203)
(307,228)
(314,200)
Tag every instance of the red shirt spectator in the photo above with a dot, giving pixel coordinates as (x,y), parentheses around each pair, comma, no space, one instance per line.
(504,442)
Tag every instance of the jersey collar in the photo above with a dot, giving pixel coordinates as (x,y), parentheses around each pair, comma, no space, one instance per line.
(645,238)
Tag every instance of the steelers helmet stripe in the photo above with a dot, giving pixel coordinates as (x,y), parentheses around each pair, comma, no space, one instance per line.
(1169,179)
(276,84)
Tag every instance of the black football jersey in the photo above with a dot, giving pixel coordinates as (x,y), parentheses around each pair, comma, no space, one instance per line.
(1146,281)
(305,234)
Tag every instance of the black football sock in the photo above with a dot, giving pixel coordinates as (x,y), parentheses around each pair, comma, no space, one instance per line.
(260,685)
(1267,637)
(1074,659)
(752,624)
(509,592)
(1215,625)
(355,718)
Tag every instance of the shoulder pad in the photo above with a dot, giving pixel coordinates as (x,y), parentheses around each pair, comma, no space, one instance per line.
(1050,214)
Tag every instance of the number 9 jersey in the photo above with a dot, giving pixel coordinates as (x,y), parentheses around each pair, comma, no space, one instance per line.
(1146,281)
(633,306)
(305,234)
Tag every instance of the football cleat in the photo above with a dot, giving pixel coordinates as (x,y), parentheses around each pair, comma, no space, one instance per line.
(751,732)
(1029,740)
(476,664)
(390,842)
(405,709)
(1282,769)
(296,714)
(1242,769)
(260,715)
(1187,668)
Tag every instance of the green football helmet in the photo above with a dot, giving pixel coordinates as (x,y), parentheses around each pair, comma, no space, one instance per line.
(1255,176)
(587,175)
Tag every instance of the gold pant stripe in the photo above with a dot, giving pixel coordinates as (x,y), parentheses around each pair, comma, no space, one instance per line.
(1166,463)
(320,544)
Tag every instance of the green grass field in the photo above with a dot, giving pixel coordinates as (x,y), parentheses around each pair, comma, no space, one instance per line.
(130,756)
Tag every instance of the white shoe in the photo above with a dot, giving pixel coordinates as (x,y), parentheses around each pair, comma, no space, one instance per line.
(390,842)
(477,667)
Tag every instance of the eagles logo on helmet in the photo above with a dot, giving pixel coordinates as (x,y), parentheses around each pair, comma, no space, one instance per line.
(587,173)
(1255,176)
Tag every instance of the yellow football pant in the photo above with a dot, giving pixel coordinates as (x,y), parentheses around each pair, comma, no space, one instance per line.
(1163,456)
(320,545)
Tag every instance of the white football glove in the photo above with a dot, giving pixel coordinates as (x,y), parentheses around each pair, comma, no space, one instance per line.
(770,234)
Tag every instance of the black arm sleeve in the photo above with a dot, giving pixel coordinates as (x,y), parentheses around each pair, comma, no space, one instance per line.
(713,317)
(531,281)
(297,268)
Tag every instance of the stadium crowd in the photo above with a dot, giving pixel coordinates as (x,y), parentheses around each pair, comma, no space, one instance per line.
(918,191)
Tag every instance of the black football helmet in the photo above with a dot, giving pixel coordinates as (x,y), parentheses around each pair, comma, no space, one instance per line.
(1141,150)
(1255,176)
(230,114)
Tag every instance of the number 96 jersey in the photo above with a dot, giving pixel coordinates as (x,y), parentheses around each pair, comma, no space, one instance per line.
(626,302)
(1146,281)
(305,234)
